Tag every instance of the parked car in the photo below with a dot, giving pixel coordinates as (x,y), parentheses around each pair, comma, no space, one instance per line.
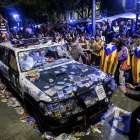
(56,89)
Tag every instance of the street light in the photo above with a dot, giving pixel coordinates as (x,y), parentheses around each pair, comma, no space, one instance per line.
(16,17)
(93,17)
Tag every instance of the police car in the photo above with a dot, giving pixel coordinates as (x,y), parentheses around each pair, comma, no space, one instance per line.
(57,90)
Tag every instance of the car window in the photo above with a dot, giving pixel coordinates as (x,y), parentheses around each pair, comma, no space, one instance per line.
(42,57)
(12,61)
(4,55)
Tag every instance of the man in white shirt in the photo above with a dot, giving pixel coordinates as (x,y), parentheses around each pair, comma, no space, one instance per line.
(132,45)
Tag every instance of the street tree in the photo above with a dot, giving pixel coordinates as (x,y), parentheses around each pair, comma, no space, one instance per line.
(111,7)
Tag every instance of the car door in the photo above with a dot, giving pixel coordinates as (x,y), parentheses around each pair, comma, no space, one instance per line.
(13,70)
(4,61)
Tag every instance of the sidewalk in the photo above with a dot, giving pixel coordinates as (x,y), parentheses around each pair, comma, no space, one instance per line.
(11,128)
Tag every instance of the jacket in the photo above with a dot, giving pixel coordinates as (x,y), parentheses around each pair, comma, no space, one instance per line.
(123,57)
(135,97)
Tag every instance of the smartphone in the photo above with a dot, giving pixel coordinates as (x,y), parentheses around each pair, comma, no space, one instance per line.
(125,85)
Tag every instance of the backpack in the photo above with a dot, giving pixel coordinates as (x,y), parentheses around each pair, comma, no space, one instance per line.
(75,52)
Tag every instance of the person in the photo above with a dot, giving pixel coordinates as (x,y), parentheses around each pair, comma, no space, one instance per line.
(27,33)
(109,32)
(97,48)
(116,30)
(132,45)
(3,23)
(98,26)
(108,20)
(83,43)
(102,37)
(109,59)
(76,51)
(123,27)
(104,25)
(133,29)
(129,31)
(61,40)
(3,30)
(135,65)
(88,29)
(81,28)
(124,56)
(91,48)
(136,113)
(68,36)
(97,31)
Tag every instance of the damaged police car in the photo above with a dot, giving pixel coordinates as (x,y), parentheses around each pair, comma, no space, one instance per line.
(57,90)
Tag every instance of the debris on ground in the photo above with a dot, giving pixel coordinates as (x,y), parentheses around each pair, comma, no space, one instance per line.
(3,100)
(48,135)
(78,134)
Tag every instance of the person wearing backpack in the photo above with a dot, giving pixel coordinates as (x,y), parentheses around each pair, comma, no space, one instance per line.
(76,51)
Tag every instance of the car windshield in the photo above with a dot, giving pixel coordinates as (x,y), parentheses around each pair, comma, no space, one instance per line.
(43,57)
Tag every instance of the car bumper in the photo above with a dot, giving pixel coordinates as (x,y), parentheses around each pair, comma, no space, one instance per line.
(89,116)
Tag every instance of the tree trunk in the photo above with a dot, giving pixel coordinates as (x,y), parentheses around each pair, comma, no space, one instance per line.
(23,24)
(82,12)
(88,11)
(93,17)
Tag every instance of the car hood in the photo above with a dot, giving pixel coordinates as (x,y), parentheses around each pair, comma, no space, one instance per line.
(62,81)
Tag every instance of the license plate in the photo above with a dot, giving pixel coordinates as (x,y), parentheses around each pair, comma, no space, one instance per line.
(79,118)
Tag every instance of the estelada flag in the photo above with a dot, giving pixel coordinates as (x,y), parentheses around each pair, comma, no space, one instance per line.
(136,65)
(109,59)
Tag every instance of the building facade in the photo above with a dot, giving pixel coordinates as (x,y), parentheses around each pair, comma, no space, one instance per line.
(129,6)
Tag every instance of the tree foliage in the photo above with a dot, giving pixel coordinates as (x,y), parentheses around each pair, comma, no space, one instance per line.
(44,10)
(111,7)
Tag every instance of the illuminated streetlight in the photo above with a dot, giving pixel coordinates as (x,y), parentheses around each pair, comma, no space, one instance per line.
(16,16)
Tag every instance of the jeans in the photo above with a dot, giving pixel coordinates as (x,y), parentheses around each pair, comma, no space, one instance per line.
(121,77)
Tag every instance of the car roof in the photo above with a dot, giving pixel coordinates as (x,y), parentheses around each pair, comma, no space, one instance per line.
(16,47)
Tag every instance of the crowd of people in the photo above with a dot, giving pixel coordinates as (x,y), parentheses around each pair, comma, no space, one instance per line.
(112,48)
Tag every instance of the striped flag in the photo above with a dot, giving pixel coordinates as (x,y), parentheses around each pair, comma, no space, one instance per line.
(136,65)
(109,59)
(128,58)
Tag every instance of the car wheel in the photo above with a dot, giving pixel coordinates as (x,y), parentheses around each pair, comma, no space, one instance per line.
(40,126)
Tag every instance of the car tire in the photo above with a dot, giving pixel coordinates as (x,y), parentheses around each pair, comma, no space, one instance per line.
(33,112)
(40,126)
(3,80)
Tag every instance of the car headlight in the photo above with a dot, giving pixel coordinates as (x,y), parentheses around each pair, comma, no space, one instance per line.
(43,108)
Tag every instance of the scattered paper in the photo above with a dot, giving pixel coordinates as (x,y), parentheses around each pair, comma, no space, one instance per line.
(4,100)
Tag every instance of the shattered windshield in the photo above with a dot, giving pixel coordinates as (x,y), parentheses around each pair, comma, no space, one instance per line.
(43,57)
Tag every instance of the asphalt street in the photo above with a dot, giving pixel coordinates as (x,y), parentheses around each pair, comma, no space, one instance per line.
(11,128)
